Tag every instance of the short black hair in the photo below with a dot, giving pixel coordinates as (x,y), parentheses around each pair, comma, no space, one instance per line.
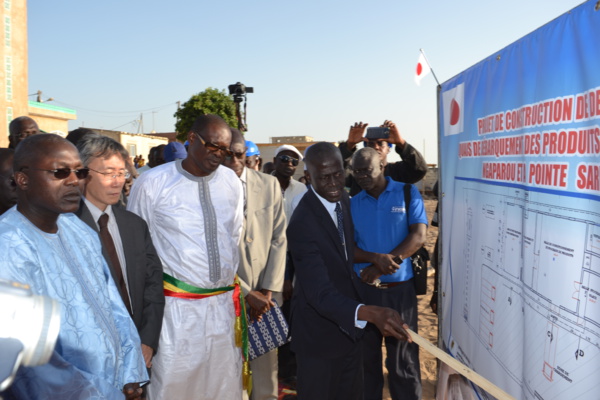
(321,151)
(204,121)
(6,154)
(237,136)
(76,135)
(33,147)
(15,124)
(366,153)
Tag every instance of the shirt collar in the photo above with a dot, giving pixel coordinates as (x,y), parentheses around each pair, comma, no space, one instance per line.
(326,203)
(96,212)
(194,178)
(388,187)
(244,176)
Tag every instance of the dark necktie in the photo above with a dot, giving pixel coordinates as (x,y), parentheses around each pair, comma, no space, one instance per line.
(111,250)
(340,222)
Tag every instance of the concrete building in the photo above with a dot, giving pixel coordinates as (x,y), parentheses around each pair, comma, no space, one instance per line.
(291,139)
(136,144)
(51,118)
(14,77)
(13,67)
(170,136)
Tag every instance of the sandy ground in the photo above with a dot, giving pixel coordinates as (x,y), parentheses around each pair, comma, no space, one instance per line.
(428,322)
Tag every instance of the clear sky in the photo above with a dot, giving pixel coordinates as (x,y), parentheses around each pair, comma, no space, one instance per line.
(316,66)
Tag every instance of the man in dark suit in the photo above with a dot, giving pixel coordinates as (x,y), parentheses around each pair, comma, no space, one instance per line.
(126,242)
(327,314)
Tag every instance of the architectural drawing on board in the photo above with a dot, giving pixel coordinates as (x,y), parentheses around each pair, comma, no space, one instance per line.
(529,287)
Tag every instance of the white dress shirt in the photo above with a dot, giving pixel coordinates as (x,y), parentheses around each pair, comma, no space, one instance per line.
(113,229)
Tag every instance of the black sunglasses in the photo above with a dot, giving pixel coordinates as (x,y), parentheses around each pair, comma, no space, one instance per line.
(239,156)
(287,159)
(64,173)
(213,147)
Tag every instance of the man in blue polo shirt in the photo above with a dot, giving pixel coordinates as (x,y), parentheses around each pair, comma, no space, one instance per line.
(386,235)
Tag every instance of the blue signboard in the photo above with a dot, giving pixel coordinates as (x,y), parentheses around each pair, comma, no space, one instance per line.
(520,213)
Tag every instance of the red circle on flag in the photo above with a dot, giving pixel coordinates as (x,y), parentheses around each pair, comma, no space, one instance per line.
(419,69)
(454,112)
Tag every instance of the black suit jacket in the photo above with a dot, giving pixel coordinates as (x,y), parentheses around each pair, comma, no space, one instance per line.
(326,291)
(144,271)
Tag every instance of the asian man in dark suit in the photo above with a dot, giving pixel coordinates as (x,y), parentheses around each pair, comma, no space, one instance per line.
(327,314)
(126,242)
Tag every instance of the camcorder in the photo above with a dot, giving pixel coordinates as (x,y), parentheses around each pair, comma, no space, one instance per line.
(29,326)
(238,91)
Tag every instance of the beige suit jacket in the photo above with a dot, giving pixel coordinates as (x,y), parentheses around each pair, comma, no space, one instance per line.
(263,245)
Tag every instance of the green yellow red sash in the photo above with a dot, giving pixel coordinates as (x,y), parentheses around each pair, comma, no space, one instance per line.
(173,287)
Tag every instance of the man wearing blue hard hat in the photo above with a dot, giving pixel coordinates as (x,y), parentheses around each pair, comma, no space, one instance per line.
(253,160)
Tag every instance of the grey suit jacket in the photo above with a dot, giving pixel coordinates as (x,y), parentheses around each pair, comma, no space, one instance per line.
(144,271)
(263,243)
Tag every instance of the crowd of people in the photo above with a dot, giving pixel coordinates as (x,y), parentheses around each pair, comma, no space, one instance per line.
(154,264)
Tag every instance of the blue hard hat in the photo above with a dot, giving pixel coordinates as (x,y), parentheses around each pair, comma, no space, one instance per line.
(252,149)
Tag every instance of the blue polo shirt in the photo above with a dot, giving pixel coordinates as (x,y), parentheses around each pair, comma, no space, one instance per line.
(380,224)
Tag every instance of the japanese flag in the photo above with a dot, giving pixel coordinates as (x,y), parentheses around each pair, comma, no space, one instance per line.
(422,69)
(453,103)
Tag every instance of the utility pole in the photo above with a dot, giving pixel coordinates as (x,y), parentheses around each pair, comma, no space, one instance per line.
(141,123)
(178,107)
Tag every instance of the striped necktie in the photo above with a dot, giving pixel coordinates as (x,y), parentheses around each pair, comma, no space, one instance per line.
(340,223)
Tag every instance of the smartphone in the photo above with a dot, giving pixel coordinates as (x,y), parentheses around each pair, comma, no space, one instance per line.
(378,133)
(398,260)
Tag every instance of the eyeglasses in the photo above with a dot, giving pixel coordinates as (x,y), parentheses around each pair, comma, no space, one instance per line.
(239,156)
(113,175)
(213,147)
(287,159)
(64,173)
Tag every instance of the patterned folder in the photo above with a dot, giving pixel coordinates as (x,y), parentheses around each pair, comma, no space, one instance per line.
(268,333)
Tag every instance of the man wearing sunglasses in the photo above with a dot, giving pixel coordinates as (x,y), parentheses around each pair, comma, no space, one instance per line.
(8,193)
(195,210)
(126,242)
(98,352)
(285,162)
(411,169)
(262,255)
